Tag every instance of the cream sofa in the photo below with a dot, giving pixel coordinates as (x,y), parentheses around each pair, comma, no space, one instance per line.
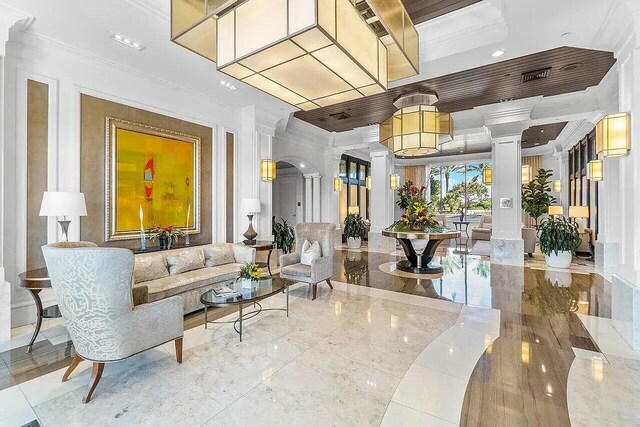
(189,272)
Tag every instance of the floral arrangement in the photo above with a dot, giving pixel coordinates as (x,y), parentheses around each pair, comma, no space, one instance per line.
(250,271)
(418,213)
(166,235)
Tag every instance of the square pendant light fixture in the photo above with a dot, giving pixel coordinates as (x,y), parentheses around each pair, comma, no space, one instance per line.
(267,170)
(613,135)
(556,186)
(337,184)
(308,53)
(595,170)
(415,129)
(526,174)
(487,175)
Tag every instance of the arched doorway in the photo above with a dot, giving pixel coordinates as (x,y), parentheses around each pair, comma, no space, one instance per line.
(288,197)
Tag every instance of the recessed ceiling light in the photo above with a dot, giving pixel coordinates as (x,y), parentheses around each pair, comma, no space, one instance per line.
(301,165)
(498,53)
(227,84)
(541,130)
(126,41)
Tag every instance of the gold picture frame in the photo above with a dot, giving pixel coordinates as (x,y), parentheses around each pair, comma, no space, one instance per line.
(152,178)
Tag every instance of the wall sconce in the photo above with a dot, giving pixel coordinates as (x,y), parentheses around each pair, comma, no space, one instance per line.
(337,183)
(595,170)
(556,186)
(613,135)
(267,170)
(526,174)
(394,181)
(487,175)
(556,210)
(367,182)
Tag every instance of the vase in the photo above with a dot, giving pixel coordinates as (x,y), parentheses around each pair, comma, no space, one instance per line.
(248,283)
(164,242)
(560,260)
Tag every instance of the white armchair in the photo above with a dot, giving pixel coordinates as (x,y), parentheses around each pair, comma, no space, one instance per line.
(320,269)
(93,288)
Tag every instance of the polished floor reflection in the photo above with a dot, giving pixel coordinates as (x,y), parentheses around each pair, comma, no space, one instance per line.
(521,377)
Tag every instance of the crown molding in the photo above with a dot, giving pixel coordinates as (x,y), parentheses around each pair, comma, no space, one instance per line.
(152,7)
(575,131)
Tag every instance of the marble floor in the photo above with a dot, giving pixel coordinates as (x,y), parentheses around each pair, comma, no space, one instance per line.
(482,344)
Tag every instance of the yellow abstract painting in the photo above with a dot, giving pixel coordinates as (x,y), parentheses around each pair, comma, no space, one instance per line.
(154,180)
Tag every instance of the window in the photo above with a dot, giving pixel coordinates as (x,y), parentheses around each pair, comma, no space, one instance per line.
(581,191)
(457,187)
(354,192)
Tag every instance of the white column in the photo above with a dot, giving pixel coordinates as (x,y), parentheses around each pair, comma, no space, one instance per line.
(308,197)
(625,289)
(330,204)
(427,181)
(8,18)
(316,197)
(507,246)
(563,159)
(381,200)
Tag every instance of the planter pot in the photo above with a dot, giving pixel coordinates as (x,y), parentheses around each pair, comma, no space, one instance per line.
(354,243)
(562,260)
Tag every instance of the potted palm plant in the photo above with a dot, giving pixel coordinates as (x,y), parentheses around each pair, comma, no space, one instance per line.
(559,237)
(354,229)
(283,235)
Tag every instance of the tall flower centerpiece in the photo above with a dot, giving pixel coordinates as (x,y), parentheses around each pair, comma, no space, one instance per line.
(419,214)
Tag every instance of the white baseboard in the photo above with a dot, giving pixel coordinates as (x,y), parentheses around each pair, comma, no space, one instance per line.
(24,313)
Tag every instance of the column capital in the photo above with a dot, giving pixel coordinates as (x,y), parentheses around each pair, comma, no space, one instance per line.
(313,175)
(10,17)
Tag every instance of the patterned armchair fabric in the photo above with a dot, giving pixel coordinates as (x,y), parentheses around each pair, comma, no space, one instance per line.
(93,288)
(322,268)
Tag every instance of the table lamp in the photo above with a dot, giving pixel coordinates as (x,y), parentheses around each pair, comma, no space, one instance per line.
(250,207)
(581,212)
(63,204)
(555,210)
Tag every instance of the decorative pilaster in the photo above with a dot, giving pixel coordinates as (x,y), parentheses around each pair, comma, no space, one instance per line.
(255,143)
(9,18)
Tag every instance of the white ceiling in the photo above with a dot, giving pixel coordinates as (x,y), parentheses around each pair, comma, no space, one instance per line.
(457,41)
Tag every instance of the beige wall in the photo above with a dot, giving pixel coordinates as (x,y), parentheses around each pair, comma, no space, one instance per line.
(92,153)
(37,147)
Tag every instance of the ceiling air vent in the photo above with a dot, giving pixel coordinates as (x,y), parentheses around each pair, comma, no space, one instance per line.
(340,116)
(530,76)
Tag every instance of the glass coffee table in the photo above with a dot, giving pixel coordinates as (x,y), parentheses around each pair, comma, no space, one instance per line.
(260,289)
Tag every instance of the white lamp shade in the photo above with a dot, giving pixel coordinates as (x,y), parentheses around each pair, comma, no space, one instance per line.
(62,203)
(250,206)
(555,210)
(578,211)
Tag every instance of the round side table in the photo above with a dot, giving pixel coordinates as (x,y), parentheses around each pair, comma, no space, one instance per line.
(35,281)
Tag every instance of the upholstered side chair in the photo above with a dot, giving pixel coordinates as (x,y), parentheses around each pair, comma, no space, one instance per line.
(93,288)
(320,269)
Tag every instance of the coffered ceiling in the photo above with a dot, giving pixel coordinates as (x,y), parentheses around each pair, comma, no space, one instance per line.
(556,71)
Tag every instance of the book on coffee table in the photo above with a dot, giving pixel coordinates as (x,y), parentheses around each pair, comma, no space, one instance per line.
(224,290)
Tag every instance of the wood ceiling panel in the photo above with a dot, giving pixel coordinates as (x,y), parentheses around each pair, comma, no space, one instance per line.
(424,10)
(479,86)
(541,134)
